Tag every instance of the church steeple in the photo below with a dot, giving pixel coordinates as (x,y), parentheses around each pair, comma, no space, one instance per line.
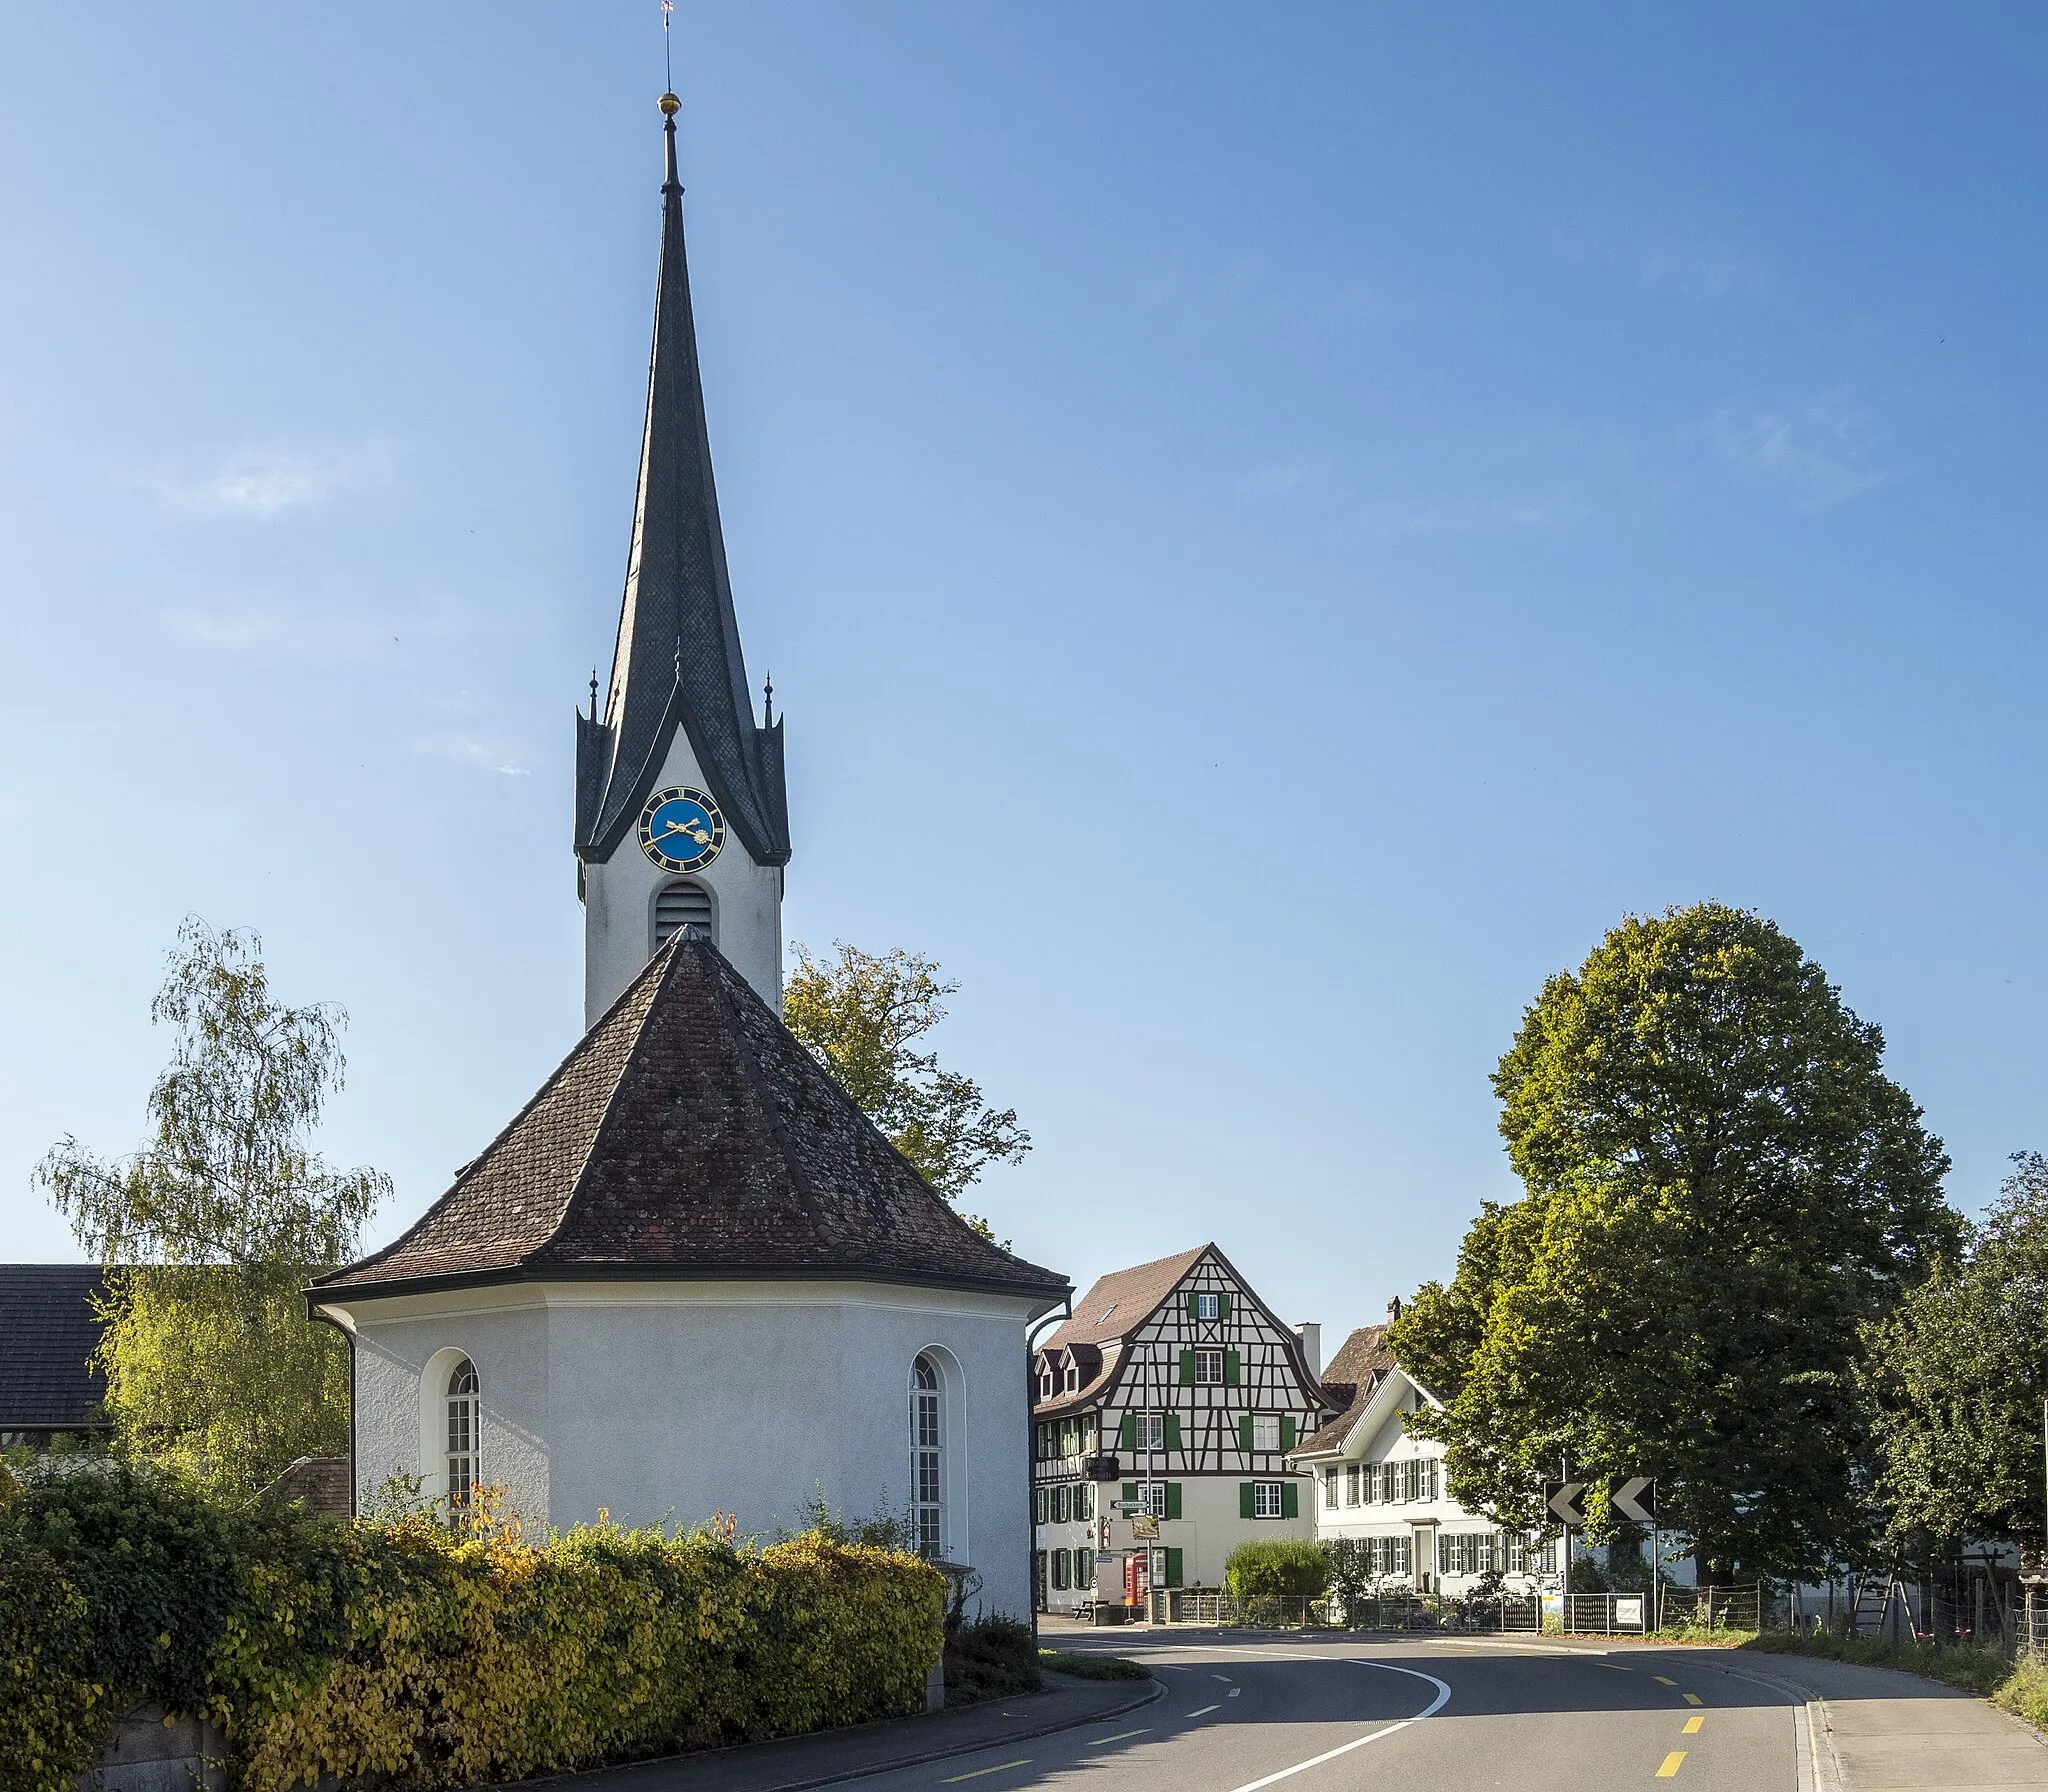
(677,665)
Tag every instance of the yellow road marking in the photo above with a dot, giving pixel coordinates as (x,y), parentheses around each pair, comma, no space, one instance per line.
(1662,1680)
(1672,1763)
(999,1767)
(1692,1698)
(1692,1725)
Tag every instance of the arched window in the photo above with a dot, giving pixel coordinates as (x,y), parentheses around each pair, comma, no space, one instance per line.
(679,905)
(465,1434)
(927,1488)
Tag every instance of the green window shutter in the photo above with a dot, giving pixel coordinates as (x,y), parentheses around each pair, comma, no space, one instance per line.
(1244,1437)
(1130,1490)
(1244,1497)
(1287,1431)
(1173,1431)
(1127,1432)
(1223,1306)
(1038,1505)
(1231,1369)
(1187,1368)
(1173,1567)
(1290,1499)
(1084,1567)
(1194,1308)
(1173,1508)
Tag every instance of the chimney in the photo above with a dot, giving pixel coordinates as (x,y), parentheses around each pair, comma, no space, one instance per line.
(1311,1335)
(1393,1309)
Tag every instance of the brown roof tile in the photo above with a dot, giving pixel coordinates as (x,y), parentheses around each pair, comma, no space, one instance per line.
(1354,1371)
(690,1134)
(1122,1301)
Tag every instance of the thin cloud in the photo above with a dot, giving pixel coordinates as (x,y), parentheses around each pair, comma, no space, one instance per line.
(260,484)
(477,754)
(1822,451)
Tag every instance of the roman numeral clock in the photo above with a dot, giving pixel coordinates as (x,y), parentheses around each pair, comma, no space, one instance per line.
(681,829)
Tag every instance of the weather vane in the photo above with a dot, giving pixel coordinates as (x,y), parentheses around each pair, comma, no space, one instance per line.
(667,67)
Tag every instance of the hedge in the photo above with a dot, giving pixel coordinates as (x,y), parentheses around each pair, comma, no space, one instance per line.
(1283,1565)
(432,1657)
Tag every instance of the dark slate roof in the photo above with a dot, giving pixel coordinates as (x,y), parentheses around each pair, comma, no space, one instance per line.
(678,663)
(47,1334)
(1353,1373)
(689,1134)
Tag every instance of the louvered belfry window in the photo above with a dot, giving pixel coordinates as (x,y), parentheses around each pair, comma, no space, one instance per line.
(681,904)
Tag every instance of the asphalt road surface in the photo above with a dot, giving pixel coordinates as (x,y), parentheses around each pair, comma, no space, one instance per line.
(1397,1714)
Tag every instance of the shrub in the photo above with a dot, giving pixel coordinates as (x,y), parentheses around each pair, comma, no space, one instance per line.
(1285,1565)
(990,1658)
(1086,1665)
(425,1655)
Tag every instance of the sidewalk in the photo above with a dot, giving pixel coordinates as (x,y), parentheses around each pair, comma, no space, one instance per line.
(1879,1730)
(831,1755)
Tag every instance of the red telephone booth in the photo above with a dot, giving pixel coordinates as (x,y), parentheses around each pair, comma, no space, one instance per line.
(1137,1576)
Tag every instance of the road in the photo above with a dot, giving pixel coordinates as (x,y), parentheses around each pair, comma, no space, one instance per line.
(1401,1715)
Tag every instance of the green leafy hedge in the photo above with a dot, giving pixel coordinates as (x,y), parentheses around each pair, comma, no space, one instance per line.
(1285,1565)
(431,1657)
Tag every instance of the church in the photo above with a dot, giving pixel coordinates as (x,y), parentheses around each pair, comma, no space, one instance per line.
(690,1276)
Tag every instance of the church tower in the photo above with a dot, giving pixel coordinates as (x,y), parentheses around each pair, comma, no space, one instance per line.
(682,817)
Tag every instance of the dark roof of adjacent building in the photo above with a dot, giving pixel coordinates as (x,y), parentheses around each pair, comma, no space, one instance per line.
(1353,1373)
(689,1134)
(48,1332)
(677,663)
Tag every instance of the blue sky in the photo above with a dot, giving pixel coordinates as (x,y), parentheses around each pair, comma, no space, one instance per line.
(1273,528)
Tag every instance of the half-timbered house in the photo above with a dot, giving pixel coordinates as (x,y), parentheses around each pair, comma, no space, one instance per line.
(1175,1390)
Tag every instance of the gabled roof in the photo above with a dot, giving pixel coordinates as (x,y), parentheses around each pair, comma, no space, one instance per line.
(1365,1374)
(1118,1303)
(690,1135)
(48,1332)
(677,663)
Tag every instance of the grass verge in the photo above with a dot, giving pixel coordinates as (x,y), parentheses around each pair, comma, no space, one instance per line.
(1973,1669)
(1091,1667)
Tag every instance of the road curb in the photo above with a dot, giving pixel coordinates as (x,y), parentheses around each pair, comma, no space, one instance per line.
(1819,1766)
(1156,1691)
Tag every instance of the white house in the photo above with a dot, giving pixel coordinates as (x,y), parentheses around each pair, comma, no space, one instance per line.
(1376,1482)
(1173,1385)
(690,1277)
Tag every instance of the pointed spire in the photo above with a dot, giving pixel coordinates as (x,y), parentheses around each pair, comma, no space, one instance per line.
(768,701)
(678,662)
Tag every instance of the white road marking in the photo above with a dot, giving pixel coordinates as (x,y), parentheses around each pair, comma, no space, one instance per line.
(1223,1677)
(1233,1692)
(1120,1736)
(1205,1710)
(1443,1695)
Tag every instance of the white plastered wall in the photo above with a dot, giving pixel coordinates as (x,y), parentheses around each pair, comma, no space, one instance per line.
(667,1402)
(618,906)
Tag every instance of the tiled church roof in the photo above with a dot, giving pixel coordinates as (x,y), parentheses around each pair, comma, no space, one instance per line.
(689,1134)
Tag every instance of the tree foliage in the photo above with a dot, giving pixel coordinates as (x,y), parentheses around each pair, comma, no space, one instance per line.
(217,1224)
(1960,1371)
(1723,1190)
(861,1015)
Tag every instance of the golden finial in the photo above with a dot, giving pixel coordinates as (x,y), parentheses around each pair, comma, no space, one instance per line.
(670,104)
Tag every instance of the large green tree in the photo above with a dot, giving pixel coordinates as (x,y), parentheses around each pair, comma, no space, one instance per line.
(1723,1190)
(861,1016)
(1960,1371)
(217,1223)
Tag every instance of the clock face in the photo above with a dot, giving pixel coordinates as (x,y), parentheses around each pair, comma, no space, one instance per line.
(681,830)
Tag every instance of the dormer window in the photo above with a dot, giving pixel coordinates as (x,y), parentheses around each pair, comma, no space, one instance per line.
(1073,1376)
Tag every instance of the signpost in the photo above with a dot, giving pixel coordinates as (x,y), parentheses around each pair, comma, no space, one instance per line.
(1635,1498)
(1566,1503)
(1630,1497)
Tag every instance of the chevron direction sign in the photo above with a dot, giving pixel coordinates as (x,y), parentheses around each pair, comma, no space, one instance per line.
(1634,1497)
(1564,1499)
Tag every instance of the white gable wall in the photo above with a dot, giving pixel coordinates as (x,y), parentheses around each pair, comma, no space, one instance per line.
(618,905)
(667,1402)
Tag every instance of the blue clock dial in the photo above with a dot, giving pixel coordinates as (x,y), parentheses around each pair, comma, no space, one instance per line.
(681,829)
